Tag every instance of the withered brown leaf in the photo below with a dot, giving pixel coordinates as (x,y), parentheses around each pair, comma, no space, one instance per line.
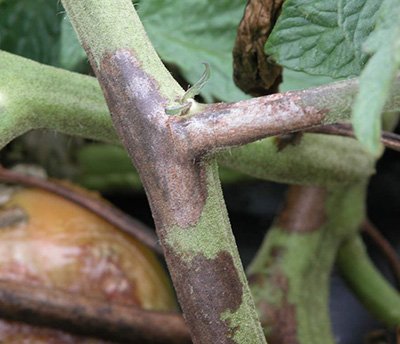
(254,73)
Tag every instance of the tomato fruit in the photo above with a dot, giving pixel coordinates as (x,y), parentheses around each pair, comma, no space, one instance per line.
(62,245)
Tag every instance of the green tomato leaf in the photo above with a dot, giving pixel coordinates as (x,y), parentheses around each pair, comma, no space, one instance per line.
(186,33)
(31,29)
(378,75)
(40,30)
(293,80)
(323,37)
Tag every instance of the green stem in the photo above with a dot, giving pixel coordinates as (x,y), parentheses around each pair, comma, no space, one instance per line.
(35,96)
(372,289)
(211,243)
(289,277)
(317,160)
(108,26)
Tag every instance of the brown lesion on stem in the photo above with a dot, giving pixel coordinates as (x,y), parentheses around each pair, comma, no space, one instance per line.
(227,125)
(304,210)
(278,320)
(165,162)
(215,285)
(82,315)
(174,178)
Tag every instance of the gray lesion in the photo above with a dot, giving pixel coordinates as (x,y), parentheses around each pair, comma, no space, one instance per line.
(5,193)
(12,217)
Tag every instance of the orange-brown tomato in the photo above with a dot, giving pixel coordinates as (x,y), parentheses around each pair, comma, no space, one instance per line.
(65,246)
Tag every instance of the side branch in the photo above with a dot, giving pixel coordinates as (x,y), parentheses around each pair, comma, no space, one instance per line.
(371,288)
(227,125)
(386,249)
(289,276)
(36,96)
(390,140)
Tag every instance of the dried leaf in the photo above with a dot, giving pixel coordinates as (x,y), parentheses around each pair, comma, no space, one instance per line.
(254,73)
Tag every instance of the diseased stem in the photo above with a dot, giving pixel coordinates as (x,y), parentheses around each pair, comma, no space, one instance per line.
(289,277)
(210,262)
(73,104)
(111,214)
(113,26)
(371,288)
(173,156)
(76,106)
(183,190)
(87,316)
(234,124)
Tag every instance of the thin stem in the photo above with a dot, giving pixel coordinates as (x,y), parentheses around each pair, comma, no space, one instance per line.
(290,273)
(386,249)
(389,139)
(111,214)
(316,160)
(371,288)
(234,124)
(36,96)
(87,316)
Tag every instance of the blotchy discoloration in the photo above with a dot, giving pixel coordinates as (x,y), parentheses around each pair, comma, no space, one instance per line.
(304,210)
(174,174)
(239,123)
(279,319)
(138,112)
(202,274)
(12,217)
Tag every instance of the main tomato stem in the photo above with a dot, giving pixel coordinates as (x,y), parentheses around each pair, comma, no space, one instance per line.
(181,184)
